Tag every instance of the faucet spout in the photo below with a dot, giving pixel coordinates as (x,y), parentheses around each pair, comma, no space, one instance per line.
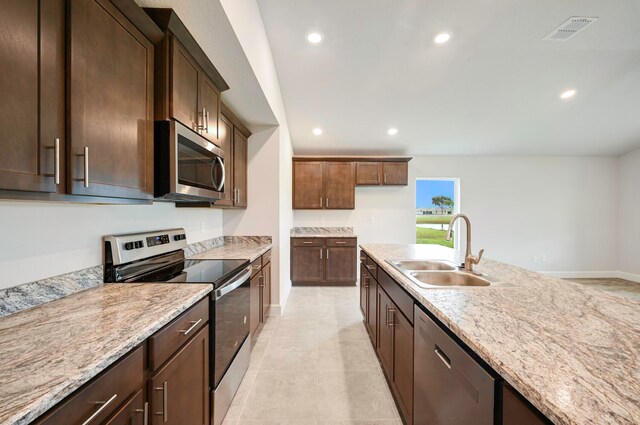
(469,258)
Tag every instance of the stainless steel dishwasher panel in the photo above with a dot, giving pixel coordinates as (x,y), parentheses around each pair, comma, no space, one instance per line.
(450,387)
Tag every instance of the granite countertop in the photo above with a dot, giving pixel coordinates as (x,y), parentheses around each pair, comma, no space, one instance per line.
(49,351)
(234,251)
(323,232)
(572,351)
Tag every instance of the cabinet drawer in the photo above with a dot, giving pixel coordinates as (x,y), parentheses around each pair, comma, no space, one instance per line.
(102,395)
(371,267)
(169,339)
(341,242)
(266,257)
(397,294)
(256,266)
(308,242)
(132,413)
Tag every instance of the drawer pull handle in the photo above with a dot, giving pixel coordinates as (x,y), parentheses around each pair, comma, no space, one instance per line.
(192,327)
(340,243)
(307,242)
(145,413)
(165,411)
(443,357)
(100,410)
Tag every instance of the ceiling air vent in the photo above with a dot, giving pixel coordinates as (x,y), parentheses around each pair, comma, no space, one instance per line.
(570,28)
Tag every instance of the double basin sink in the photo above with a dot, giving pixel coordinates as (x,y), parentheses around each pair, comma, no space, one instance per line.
(441,274)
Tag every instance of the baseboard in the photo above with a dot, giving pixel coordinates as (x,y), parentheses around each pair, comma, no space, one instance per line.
(629,276)
(275,310)
(595,275)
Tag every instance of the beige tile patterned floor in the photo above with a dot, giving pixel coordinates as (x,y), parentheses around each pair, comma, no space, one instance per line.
(315,365)
(622,287)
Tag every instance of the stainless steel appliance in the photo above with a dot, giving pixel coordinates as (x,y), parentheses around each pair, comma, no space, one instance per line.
(450,387)
(188,167)
(159,257)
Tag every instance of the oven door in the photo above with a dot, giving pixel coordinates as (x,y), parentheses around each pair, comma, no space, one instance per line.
(231,325)
(199,165)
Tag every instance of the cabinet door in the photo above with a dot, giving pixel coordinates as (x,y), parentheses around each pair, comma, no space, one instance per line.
(307,264)
(210,107)
(110,103)
(132,413)
(368,173)
(308,183)
(339,185)
(402,363)
(240,168)
(225,142)
(184,80)
(340,264)
(385,335)
(32,86)
(518,411)
(179,392)
(255,309)
(395,173)
(265,293)
(372,309)
(364,284)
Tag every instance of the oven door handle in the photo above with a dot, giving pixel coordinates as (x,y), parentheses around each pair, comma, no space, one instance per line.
(234,284)
(219,186)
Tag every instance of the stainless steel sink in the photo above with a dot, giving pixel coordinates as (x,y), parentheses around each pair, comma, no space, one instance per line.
(448,278)
(422,265)
(433,274)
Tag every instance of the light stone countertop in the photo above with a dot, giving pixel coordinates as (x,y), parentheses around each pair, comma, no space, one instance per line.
(49,351)
(323,232)
(572,351)
(234,251)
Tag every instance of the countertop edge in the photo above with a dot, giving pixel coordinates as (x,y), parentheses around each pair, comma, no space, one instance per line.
(320,235)
(61,392)
(260,251)
(530,393)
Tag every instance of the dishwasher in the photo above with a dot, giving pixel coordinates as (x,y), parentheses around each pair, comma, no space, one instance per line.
(450,387)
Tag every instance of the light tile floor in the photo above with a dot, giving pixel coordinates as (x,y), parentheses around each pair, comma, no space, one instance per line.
(314,365)
(622,287)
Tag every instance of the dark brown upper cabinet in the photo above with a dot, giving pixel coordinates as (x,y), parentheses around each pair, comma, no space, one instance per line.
(32,86)
(386,173)
(329,182)
(187,86)
(225,142)
(110,86)
(323,185)
(240,169)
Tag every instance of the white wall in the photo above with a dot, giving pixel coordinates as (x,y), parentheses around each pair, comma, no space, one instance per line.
(269,174)
(519,207)
(41,240)
(629,213)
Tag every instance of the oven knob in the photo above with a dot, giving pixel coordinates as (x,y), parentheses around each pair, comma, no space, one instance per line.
(139,244)
(128,246)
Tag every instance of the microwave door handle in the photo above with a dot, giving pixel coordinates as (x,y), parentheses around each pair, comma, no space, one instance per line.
(237,282)
(219,187)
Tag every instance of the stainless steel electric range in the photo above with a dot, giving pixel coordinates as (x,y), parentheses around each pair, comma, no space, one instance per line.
(159,257)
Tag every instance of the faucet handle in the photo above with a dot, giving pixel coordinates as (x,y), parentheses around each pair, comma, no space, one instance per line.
(476,259)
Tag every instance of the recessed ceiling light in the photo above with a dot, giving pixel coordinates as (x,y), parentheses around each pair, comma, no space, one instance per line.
(392,131)
(317,131)
(568,94)
(314,37)
(442,38)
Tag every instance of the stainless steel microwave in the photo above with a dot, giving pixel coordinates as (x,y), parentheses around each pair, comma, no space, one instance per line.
(188,167)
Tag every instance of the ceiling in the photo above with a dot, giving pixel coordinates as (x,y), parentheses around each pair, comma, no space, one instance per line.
(493,89)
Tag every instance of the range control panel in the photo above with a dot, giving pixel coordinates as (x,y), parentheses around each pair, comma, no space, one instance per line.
(157,240)
(137,246)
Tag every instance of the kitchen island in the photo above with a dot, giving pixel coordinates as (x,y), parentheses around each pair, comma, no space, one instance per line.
(573,352)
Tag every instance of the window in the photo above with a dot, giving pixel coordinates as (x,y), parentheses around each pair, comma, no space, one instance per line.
(436,202)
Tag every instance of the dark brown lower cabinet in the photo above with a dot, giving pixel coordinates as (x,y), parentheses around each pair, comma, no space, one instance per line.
(402,362)
(364,285)
(265,291)
(179,392)
(385,333)
(369,300)
(518,411)
(255,309)
(330,261)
